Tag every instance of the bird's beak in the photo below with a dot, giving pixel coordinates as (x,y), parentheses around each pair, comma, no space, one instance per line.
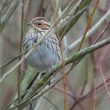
(30,23)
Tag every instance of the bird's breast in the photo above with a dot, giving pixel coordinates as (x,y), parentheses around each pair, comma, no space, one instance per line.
(45,54)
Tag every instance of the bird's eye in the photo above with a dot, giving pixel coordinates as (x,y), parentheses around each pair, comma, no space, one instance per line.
(39,23)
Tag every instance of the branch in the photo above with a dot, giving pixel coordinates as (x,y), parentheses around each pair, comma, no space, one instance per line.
(90,32)
(76,13)
(6,10)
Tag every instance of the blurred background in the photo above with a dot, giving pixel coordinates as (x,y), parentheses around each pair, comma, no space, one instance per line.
(86,75)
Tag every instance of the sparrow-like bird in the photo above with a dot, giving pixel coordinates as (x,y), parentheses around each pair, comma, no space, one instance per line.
(47,53)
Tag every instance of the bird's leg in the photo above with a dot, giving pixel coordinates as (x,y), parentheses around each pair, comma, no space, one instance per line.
(53,69)
(52,79)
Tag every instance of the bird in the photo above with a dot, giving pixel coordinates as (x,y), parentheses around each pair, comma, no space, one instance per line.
(46,55)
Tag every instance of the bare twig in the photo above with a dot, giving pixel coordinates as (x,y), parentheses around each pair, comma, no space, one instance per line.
(104,81)
(20,51)
(85,81)
(88,25)
(7,14)
(90,32)
(71,96)
(94,95)
(72,18)
(10,61)
(102,33)
(55,106)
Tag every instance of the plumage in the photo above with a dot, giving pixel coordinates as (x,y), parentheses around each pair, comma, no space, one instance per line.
(46,54)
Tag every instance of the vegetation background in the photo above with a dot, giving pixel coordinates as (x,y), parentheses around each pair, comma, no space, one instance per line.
(87,85)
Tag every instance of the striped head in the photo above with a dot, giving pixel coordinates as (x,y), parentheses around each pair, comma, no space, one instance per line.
(39,24)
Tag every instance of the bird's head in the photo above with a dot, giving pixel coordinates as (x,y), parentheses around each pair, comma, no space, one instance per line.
(39,24)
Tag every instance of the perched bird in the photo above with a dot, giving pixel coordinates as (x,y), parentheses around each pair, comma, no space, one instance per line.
(47,53)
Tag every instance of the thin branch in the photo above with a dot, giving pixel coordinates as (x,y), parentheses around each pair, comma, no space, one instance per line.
(70,20)
(8,13)
(94,95)
(102,33)
(55,106)
(85,80)
(104,81)
(88,25)
(81,4)
(10,61)
(20,51)
(71,96)
(90,32)
(61,90)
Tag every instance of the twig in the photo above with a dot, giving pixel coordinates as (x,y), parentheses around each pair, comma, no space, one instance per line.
(88,25)
(72,18)
(90,32)
(55,106)
(94,94)
(20,51)
(102,33)
(73,12)
(61,90)
(104,81)
(64,78)
(11,61)
(85,81)
(4,19)
(71,96)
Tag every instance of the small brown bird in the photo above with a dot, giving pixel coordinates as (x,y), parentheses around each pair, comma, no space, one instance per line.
(47,53)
